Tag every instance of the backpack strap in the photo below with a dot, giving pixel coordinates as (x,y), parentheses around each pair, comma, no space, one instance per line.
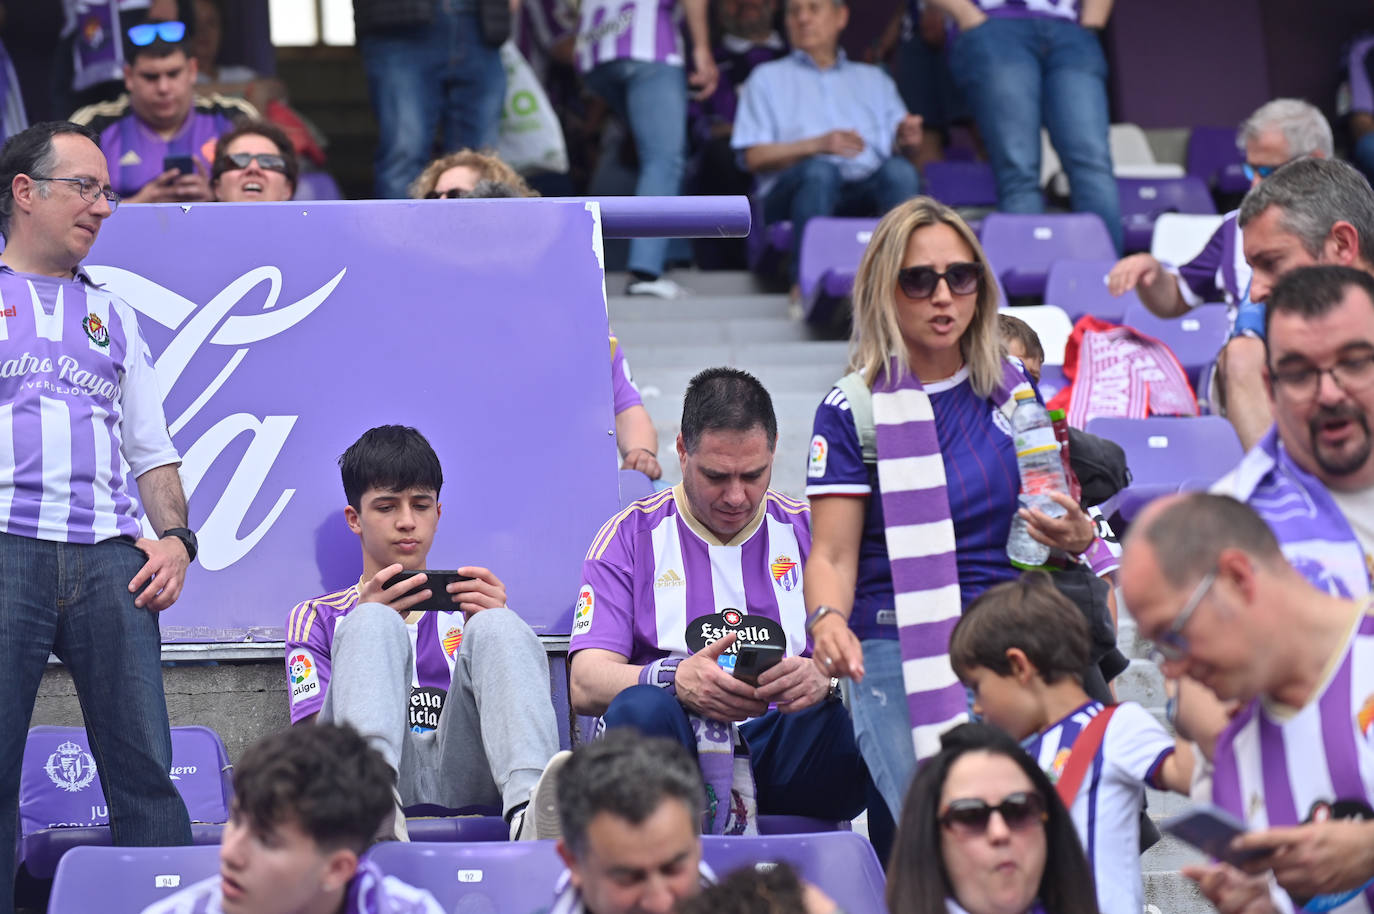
(1081,756)
(860,397)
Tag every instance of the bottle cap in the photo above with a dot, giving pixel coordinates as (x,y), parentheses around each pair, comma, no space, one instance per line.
(1056,414)
(1024,395)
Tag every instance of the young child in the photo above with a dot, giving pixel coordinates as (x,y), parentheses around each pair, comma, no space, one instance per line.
(1021,648)
(1019,340)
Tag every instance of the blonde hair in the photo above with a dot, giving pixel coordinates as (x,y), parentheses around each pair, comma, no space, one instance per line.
(876,336)
(489,167)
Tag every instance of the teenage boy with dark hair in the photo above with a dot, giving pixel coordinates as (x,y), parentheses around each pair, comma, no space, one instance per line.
(1021,649)
(413,683)
(306,805)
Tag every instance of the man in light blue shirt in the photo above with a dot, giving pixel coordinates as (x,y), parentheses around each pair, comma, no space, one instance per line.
(824,135)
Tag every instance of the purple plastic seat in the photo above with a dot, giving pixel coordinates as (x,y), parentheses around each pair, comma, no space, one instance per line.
(1052,380)
(62,804)
(841,864)
(458,828)
(1195,338)
(961,183)
(1022,246)
(1144,200)
(126,878)
(830,251)
(1214,157)
(767,245)
(317,185)
(1080,287)
(1166,453)
(484,878)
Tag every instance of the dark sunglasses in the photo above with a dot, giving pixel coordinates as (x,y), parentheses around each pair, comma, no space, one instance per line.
(920,282)
(145,34)
(451,194)
(1019,810)
(267,161)
(1263,171)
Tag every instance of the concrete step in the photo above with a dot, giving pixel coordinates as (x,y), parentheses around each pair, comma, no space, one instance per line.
(754,357)
(637,334)
(698,307)
(1143,683)
(1169,892)
(700,283)
(1165,804)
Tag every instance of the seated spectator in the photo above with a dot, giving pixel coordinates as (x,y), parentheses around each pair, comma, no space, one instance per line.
(160,119)
(824,135)
(459,172)
(1278,132)
(776,889)
(254,162)
(927,370)
(306,805)
(630,812)
(983,832)
(1021,650)
(457,701)
(1208,584)
(653,620)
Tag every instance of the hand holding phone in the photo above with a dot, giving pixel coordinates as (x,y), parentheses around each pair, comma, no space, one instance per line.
(436,582)
(1211,830)
(752,660)
(184,164)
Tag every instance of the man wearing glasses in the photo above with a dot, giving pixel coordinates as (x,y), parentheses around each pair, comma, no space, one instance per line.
(1207,582)
(158,137)
(80,419)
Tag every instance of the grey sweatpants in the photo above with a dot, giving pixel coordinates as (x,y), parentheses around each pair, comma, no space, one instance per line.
(497,728)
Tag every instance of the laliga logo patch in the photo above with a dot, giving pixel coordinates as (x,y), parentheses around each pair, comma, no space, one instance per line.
(452,640)
(305,678)
(582,615)
(820,453)
(70,767)
(785,572)
(95,329)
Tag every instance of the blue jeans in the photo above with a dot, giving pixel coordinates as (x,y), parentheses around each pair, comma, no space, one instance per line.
(652,100)
(1017,74)
(813,187)
(422,77)
(74,601)
(805,764)
(882,725)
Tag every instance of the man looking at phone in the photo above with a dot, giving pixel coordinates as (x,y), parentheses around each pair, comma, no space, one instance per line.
(159,137)
(711,569)
(1205,579)
(455,697)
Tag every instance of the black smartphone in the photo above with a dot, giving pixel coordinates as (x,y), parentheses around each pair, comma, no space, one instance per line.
(751,660)
(183,164)
(1211,830)
(436,582)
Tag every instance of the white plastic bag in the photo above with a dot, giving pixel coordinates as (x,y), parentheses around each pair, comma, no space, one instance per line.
(531,138)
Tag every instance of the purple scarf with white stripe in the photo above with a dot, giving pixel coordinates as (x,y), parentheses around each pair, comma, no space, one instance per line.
(921,545)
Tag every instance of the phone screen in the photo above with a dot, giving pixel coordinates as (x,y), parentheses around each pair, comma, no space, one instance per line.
(1212,830)
(752,660)
(183,164)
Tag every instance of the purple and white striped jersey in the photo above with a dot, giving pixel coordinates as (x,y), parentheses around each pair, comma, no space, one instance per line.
(80,410)
(369,892)
(653,567)
(629,30)
(1219,272)
(1053,9)
(1278,766)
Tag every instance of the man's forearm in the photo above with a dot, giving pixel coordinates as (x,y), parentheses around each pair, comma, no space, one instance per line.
(596,680)
(767,157)
(163,499)
(698,22)
(1163,296)
(1096,13)
(965,12)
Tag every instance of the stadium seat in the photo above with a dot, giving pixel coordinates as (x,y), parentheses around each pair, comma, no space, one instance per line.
(1051,324)
(429,822)
(830,252)
(485,878)
(1080,287)
(61,803)
(1132,157)
(1179,237)
(841,864)
(961,183)
(767,245)
(1144,200)
(1167,454)
(1214,157)
(1195,338)
(126,878)
(1022,246)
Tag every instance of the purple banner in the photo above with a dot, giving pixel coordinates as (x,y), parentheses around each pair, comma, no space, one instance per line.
(282,332)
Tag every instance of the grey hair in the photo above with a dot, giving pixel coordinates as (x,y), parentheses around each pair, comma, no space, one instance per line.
(1313,195)
(1304,128)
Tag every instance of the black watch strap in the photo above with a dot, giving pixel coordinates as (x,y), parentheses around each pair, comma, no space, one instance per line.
(187,537)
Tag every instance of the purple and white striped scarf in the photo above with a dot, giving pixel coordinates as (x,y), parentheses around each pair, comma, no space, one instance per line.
(921,545)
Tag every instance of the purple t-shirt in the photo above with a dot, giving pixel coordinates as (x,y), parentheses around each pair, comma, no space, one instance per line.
(653,568)
(623,388)
(369,892)
(982,482)
(310,629)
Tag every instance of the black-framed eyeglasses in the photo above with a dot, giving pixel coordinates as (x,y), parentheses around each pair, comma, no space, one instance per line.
(452,193)
(920,282)
(970,816)
(1170,643)
(1263,171)
(145,34)
(89,189)
(1352,374)
(267,161)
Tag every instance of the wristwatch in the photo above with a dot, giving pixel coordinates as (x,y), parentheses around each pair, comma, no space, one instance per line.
(834,694)
(187,537)
(819,613)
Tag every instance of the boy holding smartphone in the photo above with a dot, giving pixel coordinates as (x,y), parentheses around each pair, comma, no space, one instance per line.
(413,682)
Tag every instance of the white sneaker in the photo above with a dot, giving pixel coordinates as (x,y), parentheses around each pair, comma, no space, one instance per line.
(663,287)
(539,820)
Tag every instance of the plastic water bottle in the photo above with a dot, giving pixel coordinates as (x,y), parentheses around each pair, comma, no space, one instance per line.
(1042,472)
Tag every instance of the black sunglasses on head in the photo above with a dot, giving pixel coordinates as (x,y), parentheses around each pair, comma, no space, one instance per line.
(920,282)
(1019,810)
(267,161)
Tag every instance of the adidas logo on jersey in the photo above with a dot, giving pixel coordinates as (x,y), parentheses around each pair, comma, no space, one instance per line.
(130,158)
(669,578)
